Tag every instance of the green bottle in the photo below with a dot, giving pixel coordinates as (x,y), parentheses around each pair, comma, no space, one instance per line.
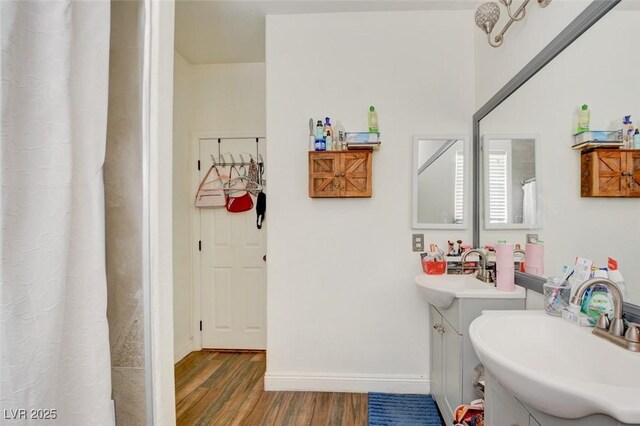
(373,120)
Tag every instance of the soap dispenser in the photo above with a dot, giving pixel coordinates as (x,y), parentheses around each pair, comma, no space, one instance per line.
(505,279)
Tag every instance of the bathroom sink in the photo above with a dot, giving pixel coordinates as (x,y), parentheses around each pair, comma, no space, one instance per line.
(441,290)
(557,367)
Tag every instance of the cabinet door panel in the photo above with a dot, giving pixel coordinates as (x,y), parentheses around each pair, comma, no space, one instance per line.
(436,354)
(452,362)
(356,174)
(609,168)
(323,175)
(633,173)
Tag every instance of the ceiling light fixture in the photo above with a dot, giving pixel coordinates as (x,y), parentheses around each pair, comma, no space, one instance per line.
(487,16)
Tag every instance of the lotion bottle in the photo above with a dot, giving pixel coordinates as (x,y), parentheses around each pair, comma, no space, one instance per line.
(584,117)
(505,280)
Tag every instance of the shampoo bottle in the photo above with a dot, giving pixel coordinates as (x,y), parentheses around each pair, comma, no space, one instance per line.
(636,139)
(328,135)
(373,120)
(504,267)
(584,117)
(338,135)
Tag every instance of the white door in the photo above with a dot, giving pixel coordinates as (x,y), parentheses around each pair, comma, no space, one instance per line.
(232,263)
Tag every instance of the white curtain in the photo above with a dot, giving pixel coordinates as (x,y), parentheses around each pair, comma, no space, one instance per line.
(54,343)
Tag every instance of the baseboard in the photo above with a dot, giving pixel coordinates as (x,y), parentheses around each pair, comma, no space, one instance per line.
(359,383)
(182,351)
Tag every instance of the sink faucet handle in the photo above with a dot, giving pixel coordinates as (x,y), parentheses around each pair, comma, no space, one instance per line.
(603,322)
(632,334)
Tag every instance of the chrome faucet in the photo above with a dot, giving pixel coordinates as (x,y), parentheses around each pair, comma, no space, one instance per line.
(613,331)
(484,274)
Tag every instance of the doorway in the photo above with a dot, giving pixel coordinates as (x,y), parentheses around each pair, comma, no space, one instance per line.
(231,251)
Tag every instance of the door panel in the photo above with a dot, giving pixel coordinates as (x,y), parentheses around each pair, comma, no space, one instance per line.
(232,267)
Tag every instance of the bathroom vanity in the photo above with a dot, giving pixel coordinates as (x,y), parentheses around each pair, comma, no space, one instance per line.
(455,301)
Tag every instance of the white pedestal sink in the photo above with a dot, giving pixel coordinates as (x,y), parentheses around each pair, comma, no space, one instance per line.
(557,367)
(441,290)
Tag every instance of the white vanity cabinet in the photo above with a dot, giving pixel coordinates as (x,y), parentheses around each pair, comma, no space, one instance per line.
(453,359)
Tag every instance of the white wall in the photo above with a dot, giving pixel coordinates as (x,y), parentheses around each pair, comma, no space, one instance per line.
(494,67)
(343,311)
(210,100)
(229,99)
(183,107)
(547,105)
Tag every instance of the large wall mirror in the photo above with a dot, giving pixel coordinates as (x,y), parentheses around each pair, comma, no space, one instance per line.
(440,182)
(547,105)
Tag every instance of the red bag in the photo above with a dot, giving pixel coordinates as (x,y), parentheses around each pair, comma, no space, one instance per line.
(238,203)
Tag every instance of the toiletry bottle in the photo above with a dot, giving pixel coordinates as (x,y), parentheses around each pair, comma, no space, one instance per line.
(534,258)
(636,139)
(615,276)
(373,120)
(627,132)
(504,267)
(338,135)
(584,116)
(320,144)
(329,142)
(319,132)
(328,135)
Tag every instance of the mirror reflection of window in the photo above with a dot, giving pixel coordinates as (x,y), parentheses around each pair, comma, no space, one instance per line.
(458,206)
(498,199)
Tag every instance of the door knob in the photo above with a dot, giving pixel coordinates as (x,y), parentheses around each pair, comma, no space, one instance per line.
(264,257)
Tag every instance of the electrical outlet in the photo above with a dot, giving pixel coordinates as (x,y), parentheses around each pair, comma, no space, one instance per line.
(532,238)
(417,242)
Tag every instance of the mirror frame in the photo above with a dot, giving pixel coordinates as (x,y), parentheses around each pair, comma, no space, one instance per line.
(589,16)
(485,193)
(467,183)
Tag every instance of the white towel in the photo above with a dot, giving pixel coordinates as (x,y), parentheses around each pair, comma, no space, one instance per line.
(529,203)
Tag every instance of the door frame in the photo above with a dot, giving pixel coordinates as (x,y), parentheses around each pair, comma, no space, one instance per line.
(194,218)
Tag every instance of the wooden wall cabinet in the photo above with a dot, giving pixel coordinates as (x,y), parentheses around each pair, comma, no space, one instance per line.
(340,174)
(610,173)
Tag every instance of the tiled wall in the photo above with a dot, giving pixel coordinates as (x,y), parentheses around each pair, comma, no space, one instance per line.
(123,192)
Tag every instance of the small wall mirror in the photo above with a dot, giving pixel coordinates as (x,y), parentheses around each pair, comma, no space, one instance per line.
(511,192)
(440,182)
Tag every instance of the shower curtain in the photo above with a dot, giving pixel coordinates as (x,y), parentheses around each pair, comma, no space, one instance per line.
(54,344)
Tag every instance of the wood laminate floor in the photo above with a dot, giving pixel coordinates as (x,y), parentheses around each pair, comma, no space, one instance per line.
(225,388)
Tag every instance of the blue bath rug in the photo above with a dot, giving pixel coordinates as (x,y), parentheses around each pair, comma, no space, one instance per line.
(386,409)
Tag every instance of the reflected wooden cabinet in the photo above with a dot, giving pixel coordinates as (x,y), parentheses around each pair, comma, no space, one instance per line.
(340,174)
(610,173)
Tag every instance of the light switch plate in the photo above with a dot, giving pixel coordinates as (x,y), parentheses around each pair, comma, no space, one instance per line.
(532,238)
(417,242)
